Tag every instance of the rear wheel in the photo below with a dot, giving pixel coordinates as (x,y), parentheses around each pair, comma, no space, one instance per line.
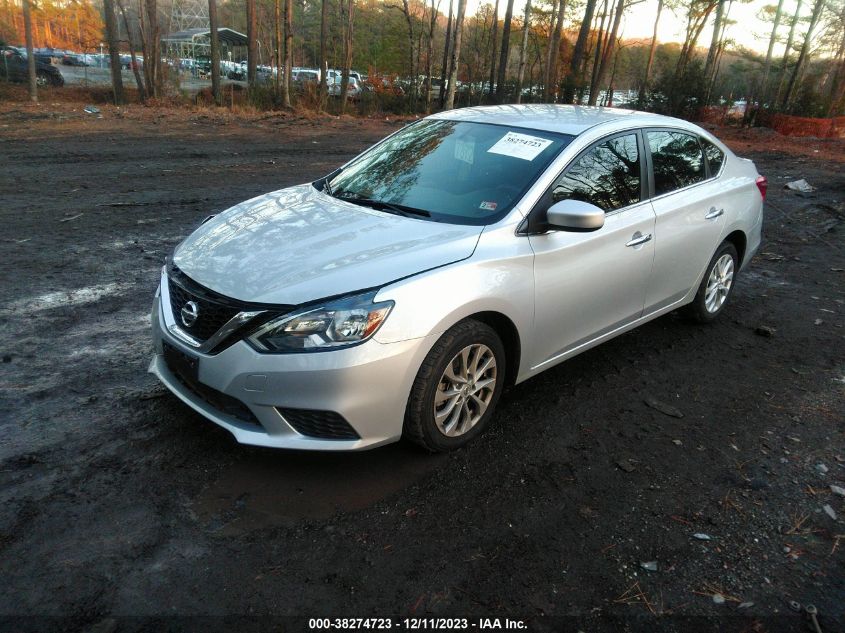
(41,79)
(717,285)
(457,388)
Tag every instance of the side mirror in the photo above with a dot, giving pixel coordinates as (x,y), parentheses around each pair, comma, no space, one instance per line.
(574,215)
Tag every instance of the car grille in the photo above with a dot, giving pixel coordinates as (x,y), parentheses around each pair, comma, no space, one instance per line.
(326,425)
(180,365)
(213,312)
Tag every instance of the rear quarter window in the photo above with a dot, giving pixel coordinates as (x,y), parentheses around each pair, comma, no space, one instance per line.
(715,156)
(677,160)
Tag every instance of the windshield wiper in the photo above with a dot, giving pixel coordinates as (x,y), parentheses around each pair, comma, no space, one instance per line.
(381,205)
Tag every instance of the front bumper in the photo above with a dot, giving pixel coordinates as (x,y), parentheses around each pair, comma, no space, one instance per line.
(368,385)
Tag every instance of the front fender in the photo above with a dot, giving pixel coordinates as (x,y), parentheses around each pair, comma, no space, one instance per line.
(499,277)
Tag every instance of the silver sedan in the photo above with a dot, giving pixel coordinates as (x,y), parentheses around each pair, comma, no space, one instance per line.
(397,296)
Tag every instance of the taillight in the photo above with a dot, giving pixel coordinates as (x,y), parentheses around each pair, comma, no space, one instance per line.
(762,185)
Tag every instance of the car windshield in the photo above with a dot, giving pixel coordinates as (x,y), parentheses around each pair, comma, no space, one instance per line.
(449,171)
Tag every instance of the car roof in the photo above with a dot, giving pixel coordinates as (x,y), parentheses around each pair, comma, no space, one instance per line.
(566,119)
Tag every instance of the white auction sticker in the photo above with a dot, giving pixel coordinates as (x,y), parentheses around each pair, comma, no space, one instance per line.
(520,146)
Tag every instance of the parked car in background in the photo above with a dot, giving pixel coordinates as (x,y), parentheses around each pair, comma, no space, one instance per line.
(49,55)
(398,295)
(305,75)
(353,90)
(236,71)
(75,59)
(14,67)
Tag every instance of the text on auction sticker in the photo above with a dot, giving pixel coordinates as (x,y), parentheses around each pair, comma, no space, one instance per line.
(520,146)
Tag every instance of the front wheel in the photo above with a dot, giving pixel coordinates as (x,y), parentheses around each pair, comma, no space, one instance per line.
(717,285)
(457,388)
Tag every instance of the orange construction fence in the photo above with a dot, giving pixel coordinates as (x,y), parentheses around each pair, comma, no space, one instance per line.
(782,123)
(804,126)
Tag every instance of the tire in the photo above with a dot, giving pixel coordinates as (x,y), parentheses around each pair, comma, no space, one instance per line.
(41,79)
(467,343)
(706,307)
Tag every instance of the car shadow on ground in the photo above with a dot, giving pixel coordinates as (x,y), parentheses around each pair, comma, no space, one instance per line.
(270,487)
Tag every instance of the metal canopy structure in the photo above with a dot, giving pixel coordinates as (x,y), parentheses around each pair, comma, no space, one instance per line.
(189,14)
(196,42)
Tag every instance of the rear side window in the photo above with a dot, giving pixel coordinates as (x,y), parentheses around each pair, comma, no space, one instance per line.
(715,156)
(607,176)
(677,160)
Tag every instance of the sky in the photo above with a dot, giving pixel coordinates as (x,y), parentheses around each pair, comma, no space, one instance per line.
(749,31)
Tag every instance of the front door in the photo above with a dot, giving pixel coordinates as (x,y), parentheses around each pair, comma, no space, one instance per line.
(589,284)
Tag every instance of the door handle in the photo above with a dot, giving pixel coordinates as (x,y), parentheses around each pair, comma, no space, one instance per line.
(638,238)
(713,213)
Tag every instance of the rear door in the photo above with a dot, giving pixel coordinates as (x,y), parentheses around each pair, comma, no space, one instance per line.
(690,215)
(588,284)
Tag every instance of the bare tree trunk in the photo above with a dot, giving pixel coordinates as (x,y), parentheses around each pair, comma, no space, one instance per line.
(148,84)
(572,77)
(30,55)
(324,66)
(278,48)
(644,88)
(150,43)
(444,71)
(215,52)
(805,50)
(429,57)
(347,52)
(520,73)
(605,59)
(409,20)
(251,45)
(114,52)
(547,65)
(601,35)
(786,51)
(695,24)
(837,95)
(554,53)
(142,94)
(837,84)
(714,43)
(609,102)
(764,93)
(419,65)
(717,58)
(288,65)
(456,55)
(503,60)
(494,40)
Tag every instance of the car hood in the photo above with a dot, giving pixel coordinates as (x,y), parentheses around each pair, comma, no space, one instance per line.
(299,244)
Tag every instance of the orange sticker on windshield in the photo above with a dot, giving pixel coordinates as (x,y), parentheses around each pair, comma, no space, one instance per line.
(488,206)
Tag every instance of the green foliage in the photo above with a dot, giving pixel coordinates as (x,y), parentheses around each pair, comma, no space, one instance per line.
(679,96)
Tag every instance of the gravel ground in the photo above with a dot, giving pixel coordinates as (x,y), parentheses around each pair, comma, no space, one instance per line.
(121,509)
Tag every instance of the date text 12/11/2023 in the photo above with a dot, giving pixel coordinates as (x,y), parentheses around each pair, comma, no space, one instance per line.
(416,624)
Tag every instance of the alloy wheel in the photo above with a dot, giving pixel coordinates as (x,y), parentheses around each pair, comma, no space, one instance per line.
(719,283)
(465,390)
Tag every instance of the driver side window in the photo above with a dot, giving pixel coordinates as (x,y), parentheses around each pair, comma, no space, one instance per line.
(608,175)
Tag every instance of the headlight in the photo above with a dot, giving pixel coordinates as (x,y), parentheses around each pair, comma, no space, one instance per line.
(338,323)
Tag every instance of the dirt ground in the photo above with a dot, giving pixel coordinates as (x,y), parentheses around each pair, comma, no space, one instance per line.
(122,509)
